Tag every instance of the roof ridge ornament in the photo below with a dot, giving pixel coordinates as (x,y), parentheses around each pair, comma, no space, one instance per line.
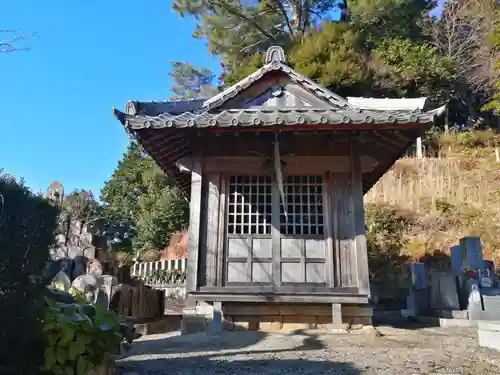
(275,54)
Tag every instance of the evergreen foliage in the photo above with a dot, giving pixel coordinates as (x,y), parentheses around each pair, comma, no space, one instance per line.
(27,226)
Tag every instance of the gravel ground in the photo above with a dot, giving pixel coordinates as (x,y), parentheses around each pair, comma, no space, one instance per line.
(396,351)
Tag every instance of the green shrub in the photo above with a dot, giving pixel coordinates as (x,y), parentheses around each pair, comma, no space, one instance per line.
(79,337)
(385,229)
(27,226)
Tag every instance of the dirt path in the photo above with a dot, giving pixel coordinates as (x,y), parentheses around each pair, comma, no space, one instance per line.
(397,351)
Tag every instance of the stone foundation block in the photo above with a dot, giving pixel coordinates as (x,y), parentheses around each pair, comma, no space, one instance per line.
(489,334)
(193,323)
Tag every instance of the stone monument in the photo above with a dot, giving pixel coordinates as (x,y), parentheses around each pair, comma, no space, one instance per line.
(76,262)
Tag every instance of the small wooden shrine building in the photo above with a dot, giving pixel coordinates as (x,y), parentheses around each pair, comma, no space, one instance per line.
(275,168)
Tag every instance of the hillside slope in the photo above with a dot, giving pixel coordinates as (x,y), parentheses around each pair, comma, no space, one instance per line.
(421,207)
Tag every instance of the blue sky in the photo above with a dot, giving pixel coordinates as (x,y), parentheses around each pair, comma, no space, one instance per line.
(56,98)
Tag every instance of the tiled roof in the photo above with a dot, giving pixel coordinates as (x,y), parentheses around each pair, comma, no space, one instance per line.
(272,117)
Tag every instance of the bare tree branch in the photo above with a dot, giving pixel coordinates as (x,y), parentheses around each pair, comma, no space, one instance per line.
(460,35)
(9,45)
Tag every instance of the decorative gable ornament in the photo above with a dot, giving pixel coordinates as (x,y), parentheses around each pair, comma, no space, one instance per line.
(275,54)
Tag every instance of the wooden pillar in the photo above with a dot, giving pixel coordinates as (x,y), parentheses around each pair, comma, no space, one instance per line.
(329,231)
(419,148)
(337,325)
(336,314)
(194,227)
(212,227)
(361,258)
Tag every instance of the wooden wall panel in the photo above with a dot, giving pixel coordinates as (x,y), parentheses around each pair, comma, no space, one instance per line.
(261,272)
(316,273)
(237,272)
(262,248)
(239,247)
(314,248)
(292,273)
(343,210)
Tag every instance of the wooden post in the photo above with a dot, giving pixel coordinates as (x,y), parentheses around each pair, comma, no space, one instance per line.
(337,325)
(336,314)
(446,125)
(419,148)
(194,227)
(361,251)
(330,250)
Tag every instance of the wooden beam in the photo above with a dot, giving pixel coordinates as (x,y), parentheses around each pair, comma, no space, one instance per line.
(194,227)
(299,165)
(310,127)
(388,139)
(185,164)
(280,298)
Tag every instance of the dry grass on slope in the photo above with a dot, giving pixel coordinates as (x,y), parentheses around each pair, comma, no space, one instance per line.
(444,198)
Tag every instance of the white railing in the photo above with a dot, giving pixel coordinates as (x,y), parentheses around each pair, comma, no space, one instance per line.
(143,269)
(167,275)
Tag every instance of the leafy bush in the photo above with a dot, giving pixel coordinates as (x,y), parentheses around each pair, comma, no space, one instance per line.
(80,336)
(27,226)
(124,257)
(173,276)
(385,238)
(435,140)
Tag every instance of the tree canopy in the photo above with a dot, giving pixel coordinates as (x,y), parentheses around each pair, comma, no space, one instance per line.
(145,209)
(494,41)
(190,82)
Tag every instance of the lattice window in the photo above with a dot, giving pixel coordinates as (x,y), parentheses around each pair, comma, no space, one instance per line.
(304,200)
(250,205)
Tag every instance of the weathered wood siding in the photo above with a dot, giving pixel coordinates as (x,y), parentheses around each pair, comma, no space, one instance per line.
(334,258)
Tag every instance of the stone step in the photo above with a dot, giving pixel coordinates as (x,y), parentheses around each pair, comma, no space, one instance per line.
(444,322)
(489,334)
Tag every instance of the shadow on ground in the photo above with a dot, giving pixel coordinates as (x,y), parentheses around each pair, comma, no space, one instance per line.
(406,323)
(228,353)
(203,342)
(205,365)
